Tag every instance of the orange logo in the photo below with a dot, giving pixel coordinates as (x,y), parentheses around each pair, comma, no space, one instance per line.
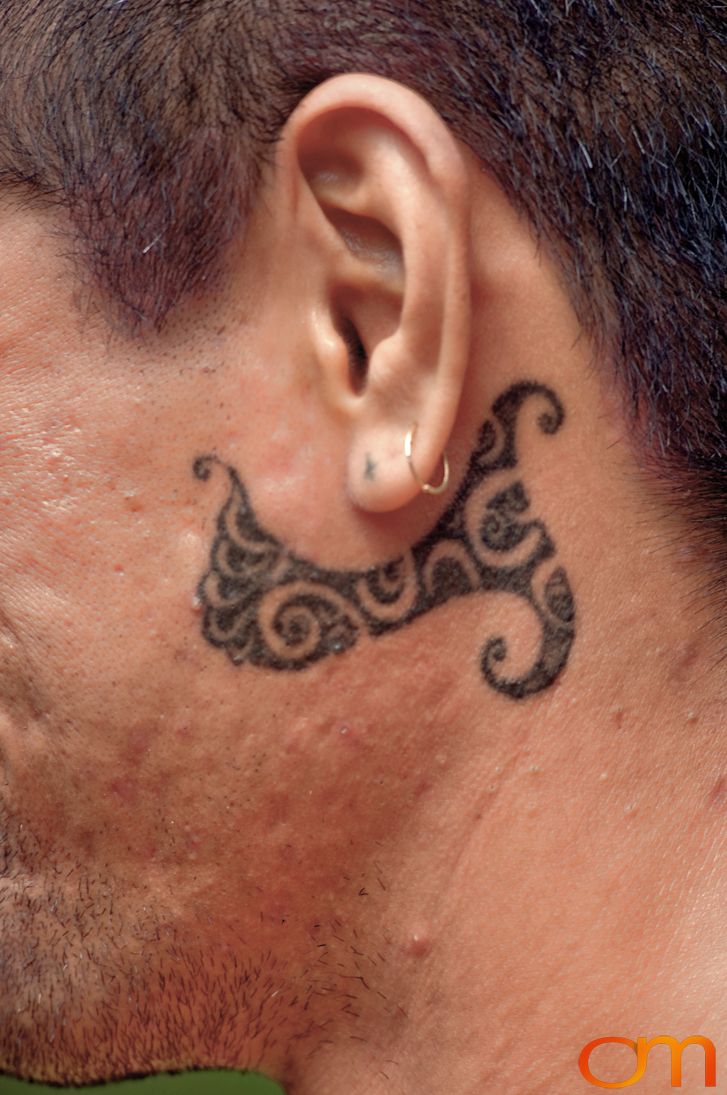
(642,1047)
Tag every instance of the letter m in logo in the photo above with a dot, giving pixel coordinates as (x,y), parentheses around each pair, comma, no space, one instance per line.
(644,1047)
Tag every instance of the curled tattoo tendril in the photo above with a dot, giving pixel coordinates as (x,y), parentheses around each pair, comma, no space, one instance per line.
(268,607)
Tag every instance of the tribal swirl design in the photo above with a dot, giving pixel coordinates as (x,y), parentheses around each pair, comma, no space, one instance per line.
(270,608)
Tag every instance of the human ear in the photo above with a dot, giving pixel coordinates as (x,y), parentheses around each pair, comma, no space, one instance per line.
(381,202)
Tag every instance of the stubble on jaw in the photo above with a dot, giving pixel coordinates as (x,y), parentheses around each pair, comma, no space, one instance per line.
(97,986)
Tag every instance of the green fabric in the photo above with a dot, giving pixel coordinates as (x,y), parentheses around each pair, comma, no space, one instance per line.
(183,1083)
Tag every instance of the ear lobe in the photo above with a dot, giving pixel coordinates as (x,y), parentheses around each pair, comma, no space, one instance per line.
(389,224)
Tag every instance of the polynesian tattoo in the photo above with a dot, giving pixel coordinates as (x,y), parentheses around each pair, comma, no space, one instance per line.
(268,607)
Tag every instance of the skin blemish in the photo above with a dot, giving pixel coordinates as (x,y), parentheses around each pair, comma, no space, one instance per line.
(617,714)
(298,732)
(686,659)
(4,765)
(124,790)
(139,744)
(349,730)
(718,795)
(419,943)
(193,839)
(87,841)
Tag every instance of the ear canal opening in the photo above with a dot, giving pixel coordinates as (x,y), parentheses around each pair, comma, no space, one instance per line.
(358,360)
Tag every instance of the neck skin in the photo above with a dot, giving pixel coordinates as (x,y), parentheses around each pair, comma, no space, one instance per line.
(419,883)
(560,880)
(555,871)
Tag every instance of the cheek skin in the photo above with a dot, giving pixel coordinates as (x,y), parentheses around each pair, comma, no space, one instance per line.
(154,755)
(111,632)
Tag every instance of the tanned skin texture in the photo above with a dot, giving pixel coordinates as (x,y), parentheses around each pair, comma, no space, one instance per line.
(303,769)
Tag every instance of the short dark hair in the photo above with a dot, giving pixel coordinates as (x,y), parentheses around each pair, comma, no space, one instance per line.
(603,120)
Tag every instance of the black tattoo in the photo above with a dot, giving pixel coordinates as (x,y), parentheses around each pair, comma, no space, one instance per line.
(269,607)
(370,469)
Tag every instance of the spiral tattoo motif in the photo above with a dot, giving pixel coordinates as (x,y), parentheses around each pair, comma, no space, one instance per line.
(268,607)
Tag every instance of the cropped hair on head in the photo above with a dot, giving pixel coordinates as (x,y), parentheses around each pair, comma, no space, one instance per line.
(149,121)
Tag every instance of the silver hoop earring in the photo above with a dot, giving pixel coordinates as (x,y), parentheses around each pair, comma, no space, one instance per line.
(426,487)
